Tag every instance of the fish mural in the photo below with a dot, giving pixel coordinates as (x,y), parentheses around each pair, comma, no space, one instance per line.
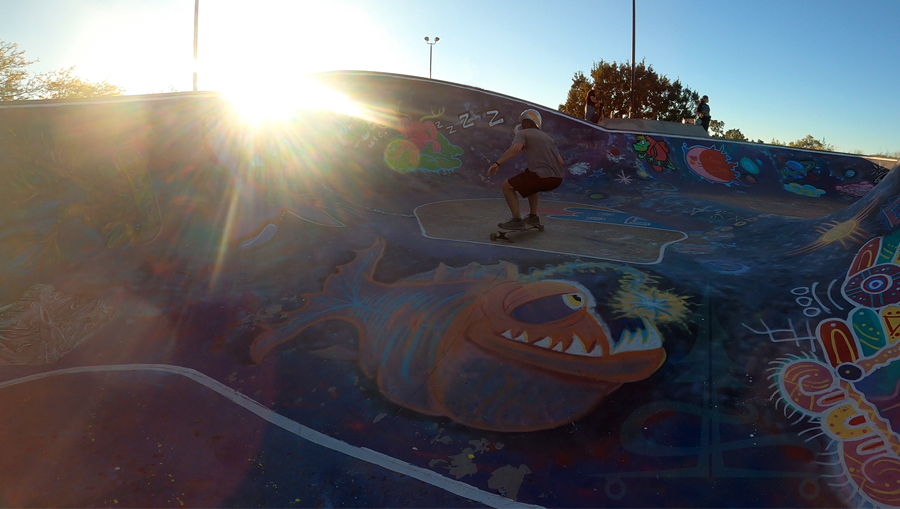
(477,345)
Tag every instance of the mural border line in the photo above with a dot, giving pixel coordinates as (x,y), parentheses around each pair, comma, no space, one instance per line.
(361,453)
(659,259)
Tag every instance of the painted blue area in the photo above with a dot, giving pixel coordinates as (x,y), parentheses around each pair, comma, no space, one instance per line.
(604,216)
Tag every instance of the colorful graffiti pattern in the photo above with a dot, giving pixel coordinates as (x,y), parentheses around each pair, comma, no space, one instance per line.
(421,147)
(203,312)
(859,418)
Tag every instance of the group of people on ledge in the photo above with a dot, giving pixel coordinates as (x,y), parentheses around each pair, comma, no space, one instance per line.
(593,108)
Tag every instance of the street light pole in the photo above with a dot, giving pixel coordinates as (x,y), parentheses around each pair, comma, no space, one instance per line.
(631,108)
(196,16)
(430,50)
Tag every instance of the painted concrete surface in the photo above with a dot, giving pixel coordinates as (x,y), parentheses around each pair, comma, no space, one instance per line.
(198,311)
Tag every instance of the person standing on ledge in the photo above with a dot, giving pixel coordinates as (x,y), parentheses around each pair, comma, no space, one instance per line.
(703,112)
(593,105)
(544,172)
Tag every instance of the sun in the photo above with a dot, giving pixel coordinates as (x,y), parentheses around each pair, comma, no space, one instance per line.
(257,107)
(265,57)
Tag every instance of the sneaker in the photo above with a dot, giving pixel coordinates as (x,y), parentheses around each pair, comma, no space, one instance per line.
(532,220)
(513,224)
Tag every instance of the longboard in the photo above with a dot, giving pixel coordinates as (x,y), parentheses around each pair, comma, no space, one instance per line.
(501,233)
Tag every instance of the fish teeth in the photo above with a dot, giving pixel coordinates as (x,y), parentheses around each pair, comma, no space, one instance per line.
(577,346)
(521,338)
(544,343)
(641,339)
(557,347)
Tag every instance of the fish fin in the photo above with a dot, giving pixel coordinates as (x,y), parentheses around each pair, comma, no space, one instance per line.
(361,266)
(511,272)
(471,272)
(337,293)
(264,342)
(499,271)
(442,272)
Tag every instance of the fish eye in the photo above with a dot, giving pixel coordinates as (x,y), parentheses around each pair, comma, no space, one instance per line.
(549,309)
(573,300)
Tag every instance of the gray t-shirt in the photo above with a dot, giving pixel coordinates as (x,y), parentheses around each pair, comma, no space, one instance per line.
(540,151)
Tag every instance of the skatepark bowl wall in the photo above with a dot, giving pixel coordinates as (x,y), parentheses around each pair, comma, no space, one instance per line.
(201,311)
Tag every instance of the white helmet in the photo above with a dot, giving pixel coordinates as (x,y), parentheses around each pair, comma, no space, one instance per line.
(533,115)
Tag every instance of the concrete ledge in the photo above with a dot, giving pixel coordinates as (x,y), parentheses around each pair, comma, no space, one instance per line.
(652,126)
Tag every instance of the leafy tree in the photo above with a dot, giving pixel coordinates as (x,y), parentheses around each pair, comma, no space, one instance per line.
(735,134)
(577,92)
(716,127)
(62,85)
(655,97)
(811,143)
(16,83)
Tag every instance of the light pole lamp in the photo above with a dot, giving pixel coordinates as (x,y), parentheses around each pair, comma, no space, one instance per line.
(430,51)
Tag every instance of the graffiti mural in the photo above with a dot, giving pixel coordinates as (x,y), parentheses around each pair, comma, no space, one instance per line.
(849,390)
(530,346)
(654,152)
(201,311)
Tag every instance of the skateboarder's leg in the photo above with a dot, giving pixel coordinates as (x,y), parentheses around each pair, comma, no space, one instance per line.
(533,204)
(512,200)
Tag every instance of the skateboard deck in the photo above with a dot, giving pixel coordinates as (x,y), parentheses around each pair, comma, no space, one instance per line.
(501,233)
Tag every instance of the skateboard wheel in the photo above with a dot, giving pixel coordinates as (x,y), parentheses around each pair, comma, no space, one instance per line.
(540,228)
(493,236)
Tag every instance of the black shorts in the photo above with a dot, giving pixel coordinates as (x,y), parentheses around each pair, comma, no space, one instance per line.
(527,183)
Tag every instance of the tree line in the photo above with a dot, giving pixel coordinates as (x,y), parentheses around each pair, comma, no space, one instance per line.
(17,83)
(657,97)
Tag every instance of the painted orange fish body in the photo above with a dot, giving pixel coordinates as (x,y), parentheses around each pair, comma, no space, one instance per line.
(477,345)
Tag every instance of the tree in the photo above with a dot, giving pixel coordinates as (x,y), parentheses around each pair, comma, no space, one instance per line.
(62,85)
(716,127)
(655,97)
(812,144)
(16,83)
(577,92)
(735,134)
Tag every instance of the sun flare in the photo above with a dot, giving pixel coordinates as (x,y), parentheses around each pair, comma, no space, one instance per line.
(257,108)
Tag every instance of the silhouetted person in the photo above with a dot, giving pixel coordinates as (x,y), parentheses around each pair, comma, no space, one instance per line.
(703,112)
(593,105)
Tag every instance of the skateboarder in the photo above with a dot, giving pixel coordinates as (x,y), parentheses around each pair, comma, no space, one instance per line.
(544,172)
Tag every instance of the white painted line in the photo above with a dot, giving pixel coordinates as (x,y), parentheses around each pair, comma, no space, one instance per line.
(659,259)
(361,453)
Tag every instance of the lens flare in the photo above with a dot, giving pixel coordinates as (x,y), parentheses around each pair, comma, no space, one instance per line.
(257,107)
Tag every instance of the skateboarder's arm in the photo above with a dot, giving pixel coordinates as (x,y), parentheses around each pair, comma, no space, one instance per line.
(509,154)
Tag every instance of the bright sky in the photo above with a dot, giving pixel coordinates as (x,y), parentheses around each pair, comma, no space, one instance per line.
(772,68)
